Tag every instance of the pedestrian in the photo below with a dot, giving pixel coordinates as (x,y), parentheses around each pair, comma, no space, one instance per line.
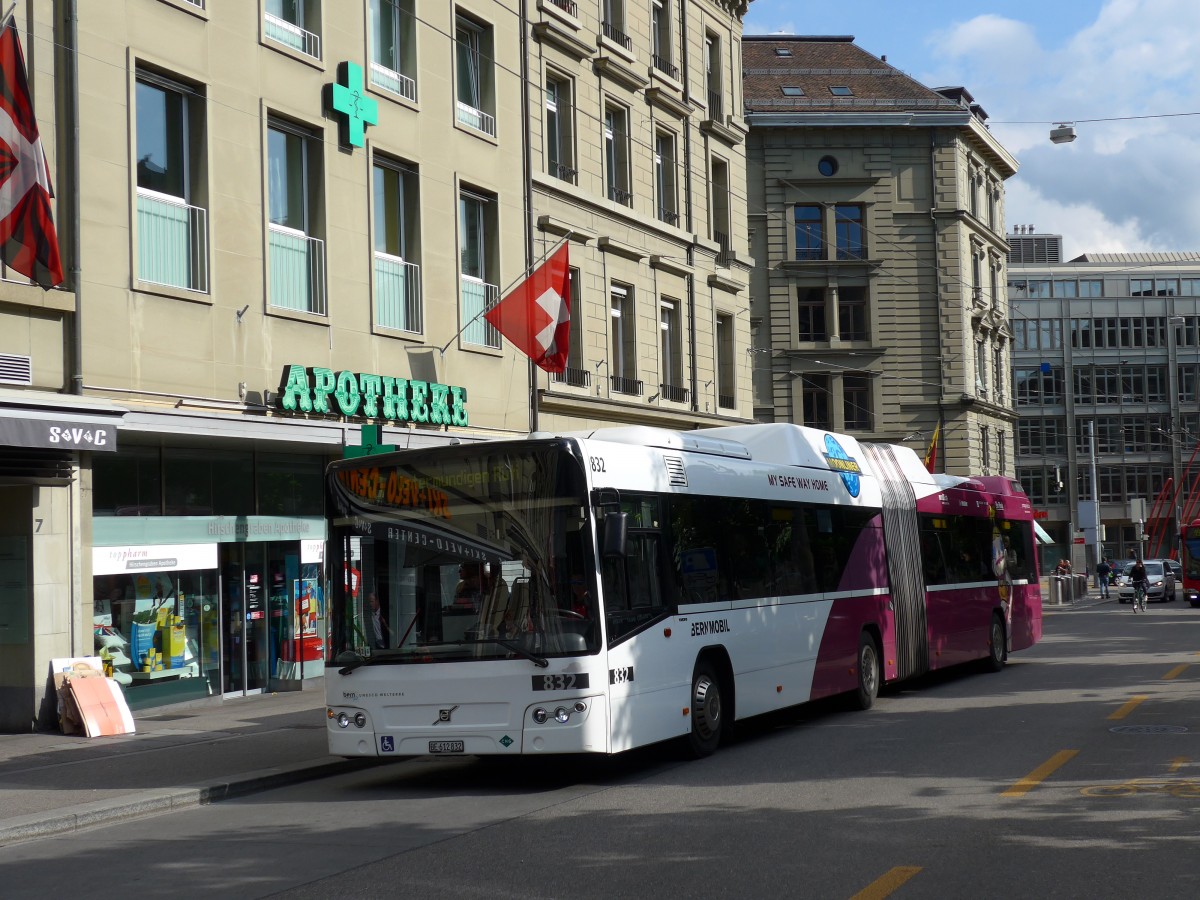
(1103,573)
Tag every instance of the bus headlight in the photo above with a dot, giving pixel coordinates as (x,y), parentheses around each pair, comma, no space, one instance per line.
(540,716)
(562,715)
(360,719)
(343,720)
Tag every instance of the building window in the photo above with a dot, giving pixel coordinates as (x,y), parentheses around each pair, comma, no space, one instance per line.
(993,206)
(810,305)
(297,253)
(856,402)
(994,283)
(814,394)
(660,35)
(810,239)
(976,275)
(672,352)
(560,140)
(474,57)
(622,359)
(985,446)
(852,313)
(575,373)
(613,23)
(720,209)
(397,274)
(998,374)
(726,398)
(712,75)
(664,178)
(478,267)
(616,154)
(172,226)
(393,48)
(848,222)
(294,24)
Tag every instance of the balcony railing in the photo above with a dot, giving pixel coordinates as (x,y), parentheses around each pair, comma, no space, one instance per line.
(625,198)
(714,106)
(172,242)
(723,254)
(623,385)
(476,118)
(297,271)
(808,254)
(616,35)
(726,401)
(668,215)
(674,393)
(666,66)
(852,251)
(393,82)
(567,6)
(580,378)
(397,293)
(563,173)
(477,297)
(291,35)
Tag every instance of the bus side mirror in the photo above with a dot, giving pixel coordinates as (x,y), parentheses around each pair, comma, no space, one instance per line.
(616,524)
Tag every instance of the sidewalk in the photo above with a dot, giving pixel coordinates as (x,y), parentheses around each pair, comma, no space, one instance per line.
(179,757)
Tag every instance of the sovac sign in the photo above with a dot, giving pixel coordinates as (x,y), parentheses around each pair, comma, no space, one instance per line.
(317,390)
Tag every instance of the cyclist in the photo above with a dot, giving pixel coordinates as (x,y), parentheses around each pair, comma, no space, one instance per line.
(1141,584)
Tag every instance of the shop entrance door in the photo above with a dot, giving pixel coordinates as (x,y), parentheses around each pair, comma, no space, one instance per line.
(244,651)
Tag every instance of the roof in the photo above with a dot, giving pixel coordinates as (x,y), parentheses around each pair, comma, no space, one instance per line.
(816,64)
(1127,258)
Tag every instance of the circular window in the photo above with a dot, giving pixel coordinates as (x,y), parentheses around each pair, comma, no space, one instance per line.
(827,166)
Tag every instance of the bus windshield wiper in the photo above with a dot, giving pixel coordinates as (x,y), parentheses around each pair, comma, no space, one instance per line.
(378,656)
(540,661)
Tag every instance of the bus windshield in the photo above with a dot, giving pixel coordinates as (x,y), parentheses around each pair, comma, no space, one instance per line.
(468,552)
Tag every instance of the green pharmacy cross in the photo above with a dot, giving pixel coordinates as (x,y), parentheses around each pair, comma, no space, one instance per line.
(350,100)
(372,437)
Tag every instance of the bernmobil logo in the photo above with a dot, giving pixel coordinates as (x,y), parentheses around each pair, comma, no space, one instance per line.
(841,462)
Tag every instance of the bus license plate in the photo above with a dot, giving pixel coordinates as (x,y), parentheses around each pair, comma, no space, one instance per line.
(445,746)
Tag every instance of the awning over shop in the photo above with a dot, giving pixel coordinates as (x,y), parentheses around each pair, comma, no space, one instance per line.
(1042,536)
(46,421)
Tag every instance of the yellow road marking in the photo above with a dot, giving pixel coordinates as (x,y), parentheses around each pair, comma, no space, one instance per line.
(1040,774)
(1129,707)
(1175,672)
(884,885)
(1178,763)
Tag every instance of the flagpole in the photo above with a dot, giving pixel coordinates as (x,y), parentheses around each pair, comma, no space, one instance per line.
(8,16)
(511,285)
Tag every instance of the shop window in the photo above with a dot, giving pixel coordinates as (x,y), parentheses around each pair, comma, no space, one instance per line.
(290,485)
(128,483)
(208,483)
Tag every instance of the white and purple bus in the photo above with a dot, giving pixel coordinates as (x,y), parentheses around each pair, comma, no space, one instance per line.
(604,591)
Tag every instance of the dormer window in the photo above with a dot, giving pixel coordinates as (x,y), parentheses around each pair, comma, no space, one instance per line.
(783,51)
(791,91)
(840,90)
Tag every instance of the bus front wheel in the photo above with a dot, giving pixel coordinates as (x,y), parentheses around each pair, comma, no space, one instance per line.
(868,672)
(707,717)
(997,651)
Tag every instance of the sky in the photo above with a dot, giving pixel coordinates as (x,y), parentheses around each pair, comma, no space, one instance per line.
(1124,185)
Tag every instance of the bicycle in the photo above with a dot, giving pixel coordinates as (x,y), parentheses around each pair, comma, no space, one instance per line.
(1139,596)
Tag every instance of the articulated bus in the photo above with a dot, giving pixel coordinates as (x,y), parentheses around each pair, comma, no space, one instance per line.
(1190,562)
(592,593)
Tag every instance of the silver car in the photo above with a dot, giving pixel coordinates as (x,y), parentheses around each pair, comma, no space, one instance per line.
(1160,576)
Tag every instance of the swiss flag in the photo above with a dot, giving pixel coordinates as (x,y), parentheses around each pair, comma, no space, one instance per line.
(536,314)
(27,239)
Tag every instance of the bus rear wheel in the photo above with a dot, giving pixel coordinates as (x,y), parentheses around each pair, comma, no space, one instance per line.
(868,672)
(707,712)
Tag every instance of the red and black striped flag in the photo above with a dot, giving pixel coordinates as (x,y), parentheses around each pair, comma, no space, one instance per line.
(28,243)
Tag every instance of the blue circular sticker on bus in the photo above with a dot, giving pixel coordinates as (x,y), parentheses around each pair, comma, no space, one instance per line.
(844,464)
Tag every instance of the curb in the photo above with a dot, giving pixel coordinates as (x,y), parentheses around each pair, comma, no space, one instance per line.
(89,815)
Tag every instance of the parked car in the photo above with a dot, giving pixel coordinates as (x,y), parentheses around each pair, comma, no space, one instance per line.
(1160,576)
(1176,570)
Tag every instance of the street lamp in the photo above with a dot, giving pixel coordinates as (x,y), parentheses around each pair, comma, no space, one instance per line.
(1063,133)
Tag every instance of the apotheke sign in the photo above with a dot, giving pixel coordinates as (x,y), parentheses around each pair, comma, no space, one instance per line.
(323,391)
